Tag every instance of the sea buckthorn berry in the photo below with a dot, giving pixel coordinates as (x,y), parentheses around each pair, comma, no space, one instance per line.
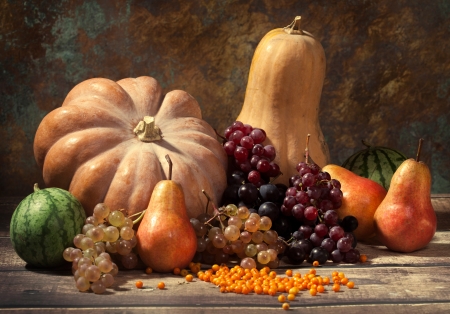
(312,291)
(312,271)
(293,290)
(176,271)
(326,280)
(189,278)
(350,285)
(184,272)
(291,297)
(363,258)
(341,275)
(139,284)
(344,281)
(320,289)
(315,263)
(191,264)
(148,270)
(289,272)
(281,298)
(336,287)
(285,306)
(161,285)
(333,274)
(215,267)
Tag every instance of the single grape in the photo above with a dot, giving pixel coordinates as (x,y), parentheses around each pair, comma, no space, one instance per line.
(84,260)
(270,236)
(232,233)
(105,265)
(237,246)
(77,240)
(352,256)
(66,254)
(314,192)
(123,247)
(257,237)
(86,243)
(262,247)
(269,152)
(336,233)
(252,225)
(310,213)
(92,220)
(298,211)
(263,257)
(133,241)
(335,195)
(308,179)
(301,197)
(114,270)
(92,273)
(213,231)
(304,244)
(229,147)
(95,233)
(111,234)
(263,165)
(128,222)
(129,261)
(300,165)
(116,218)
(235,221)
(306,230)
(304,170)
(323,176)
(98,287)
(296,255)
(101,211)
(328,244)
(241,154)
(319,254)
(127,233)
(247,142)
(111,247)
(330,218)
(82,284)
(269,209)
(274,170)
(258,135)
(269,192)
(321,230)
(273,254)
(86,228)
(349,223)
(314,168)
(81,271)
(228,249)
(219,241)
(248,263)
(75,253)
(265,223)
(201,244)
(108,280)
(344,244)
(315,239)
(251,250)
(243,212)
(245,236)
(298,235)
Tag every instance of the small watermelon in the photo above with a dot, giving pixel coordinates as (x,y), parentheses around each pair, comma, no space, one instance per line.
(44,224)
(376,163)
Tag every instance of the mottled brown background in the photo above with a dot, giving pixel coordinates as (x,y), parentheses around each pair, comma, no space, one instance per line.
(387,79)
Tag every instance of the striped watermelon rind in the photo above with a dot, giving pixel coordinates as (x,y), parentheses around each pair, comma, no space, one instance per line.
(44,224)
(376,163)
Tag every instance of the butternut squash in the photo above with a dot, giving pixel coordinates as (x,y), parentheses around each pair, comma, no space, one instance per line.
(283,95)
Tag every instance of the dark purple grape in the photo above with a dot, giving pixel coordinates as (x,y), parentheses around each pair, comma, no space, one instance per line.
(349,223)
(351,236)
(302,197)
(246,142)
(289,202)
(335,183)
(319,254)
(291,191)
(314,168)
(337,256)
(296,255)
(298,235)
(254,160)
(323,176)
(241,154)
(313,192)
(324,193)
(352,256)
(293,179)
(321,230)
(306,230)
(344,244)
(258,135)
(248,193)
(285,211)
(325,205)
(300,165)
(336,233)
(269,192)
(245,165)
(307,180)
(248,129)
(254,177)
(298,211)
(305,244)
(263,165)
(310,213)
(228,132)
(274,170)
(270,210)
(238,125)
(229,147)
(258,150)
(269,152)
(328,245)
(330,218)
(304,170)
(315,239)
(230,195)
(298,184)
(335,195)
(236,136)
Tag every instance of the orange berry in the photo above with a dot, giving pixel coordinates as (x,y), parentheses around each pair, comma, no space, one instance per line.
(285,306)
(148,270)
(312,271)
(315,263)
(312,291)
(341,275)
(184,272)
(344,281)
(189,278)
(176,271)
(281,298)
(289,272)
(320,289)
(336,287)
(363,258)
(272,291)
(161,285)
(215,267)
(293,290)
(350,285)
(326,280)
(291,297)
(139,284)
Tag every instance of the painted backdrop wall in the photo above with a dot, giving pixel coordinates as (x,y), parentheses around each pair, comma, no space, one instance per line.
(387,78)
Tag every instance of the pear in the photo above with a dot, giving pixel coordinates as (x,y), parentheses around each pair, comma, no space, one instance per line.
(360,198)
(166,238)
(405,221)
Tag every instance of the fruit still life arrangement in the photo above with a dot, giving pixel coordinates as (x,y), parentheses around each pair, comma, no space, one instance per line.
(137,179)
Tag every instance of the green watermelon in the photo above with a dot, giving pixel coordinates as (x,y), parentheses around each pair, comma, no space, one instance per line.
(44,224)
(376,163)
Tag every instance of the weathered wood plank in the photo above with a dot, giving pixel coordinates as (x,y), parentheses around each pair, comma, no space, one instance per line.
(377,286)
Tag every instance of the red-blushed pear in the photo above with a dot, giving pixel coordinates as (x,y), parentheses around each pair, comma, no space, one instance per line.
(360,198)
(166,238)
(405,221)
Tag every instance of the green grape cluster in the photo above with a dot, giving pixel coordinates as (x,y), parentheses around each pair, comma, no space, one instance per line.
(104,234)
(236,233)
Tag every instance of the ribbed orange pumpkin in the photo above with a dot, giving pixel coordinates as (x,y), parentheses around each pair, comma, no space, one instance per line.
(108,142)
(283,94)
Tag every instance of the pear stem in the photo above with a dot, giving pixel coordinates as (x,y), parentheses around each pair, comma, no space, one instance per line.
(170,166)
(307,148)
(419,149)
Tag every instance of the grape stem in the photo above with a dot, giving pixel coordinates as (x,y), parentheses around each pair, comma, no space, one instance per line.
(141,215)
(208,198)
(217,212)
(217,133)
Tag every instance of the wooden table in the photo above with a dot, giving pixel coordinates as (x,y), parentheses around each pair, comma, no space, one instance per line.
(388,282)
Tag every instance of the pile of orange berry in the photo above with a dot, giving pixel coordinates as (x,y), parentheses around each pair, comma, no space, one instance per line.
(265,281)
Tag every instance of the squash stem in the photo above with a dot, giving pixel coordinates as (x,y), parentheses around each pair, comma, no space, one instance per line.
(170,166)
(419,149)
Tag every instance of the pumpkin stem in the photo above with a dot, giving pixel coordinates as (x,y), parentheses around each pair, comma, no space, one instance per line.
(170,166)
(147,131)
(294,27)
(36,187)
(419,149)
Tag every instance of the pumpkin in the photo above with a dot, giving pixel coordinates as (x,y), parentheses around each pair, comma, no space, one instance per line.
(283,94)
(108,142)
